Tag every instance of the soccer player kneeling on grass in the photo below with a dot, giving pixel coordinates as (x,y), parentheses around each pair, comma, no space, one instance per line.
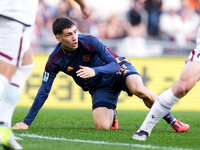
(95,68)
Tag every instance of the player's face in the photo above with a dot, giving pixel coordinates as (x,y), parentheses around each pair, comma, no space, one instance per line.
(69,39)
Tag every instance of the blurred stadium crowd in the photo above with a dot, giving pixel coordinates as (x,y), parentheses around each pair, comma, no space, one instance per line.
(146,28)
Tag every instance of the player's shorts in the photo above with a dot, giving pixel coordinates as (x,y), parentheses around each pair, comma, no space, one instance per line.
(15,41)
(194,55)
(107,93)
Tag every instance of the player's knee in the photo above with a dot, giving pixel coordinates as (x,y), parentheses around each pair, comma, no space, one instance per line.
(102,126)
(12,94)
(180,90)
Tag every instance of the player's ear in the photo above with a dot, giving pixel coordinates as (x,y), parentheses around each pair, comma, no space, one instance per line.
(58,38)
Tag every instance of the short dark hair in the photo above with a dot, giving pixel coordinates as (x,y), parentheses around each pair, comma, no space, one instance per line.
(60,24)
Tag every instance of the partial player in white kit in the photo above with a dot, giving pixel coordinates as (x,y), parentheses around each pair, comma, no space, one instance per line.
(16,23)
(190,75)
(17,19)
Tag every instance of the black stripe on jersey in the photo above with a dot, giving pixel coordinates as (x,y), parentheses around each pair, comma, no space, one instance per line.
(55,57)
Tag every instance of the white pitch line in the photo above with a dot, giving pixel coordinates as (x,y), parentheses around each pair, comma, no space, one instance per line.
(97,142)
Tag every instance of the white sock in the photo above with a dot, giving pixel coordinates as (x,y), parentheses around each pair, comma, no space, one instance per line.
(160,108)
(9,100)
(12,93)
(3,83)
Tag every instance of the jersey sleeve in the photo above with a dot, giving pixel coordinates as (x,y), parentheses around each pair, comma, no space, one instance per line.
(41,97)
(111,64)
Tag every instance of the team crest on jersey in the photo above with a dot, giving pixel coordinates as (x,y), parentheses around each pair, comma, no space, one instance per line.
(123,67)
(86,58)
(46,76)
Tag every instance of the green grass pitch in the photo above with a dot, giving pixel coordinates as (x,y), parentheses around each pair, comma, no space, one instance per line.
(74,130)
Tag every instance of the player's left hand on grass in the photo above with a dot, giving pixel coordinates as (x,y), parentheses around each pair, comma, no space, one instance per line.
(20,126)
(85,72)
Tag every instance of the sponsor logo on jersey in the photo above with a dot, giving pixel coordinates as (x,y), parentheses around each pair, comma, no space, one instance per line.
(46,76)
(69,69)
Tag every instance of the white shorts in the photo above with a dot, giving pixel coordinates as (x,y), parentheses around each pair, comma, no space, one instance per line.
(195,55)
(15,41)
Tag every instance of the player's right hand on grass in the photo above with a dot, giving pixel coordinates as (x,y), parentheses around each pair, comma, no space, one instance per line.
(20,126)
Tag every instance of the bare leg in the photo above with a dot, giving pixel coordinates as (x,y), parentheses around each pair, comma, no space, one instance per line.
(9,101)
(136,87)
(190,75)
(188,78)
(103,118)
